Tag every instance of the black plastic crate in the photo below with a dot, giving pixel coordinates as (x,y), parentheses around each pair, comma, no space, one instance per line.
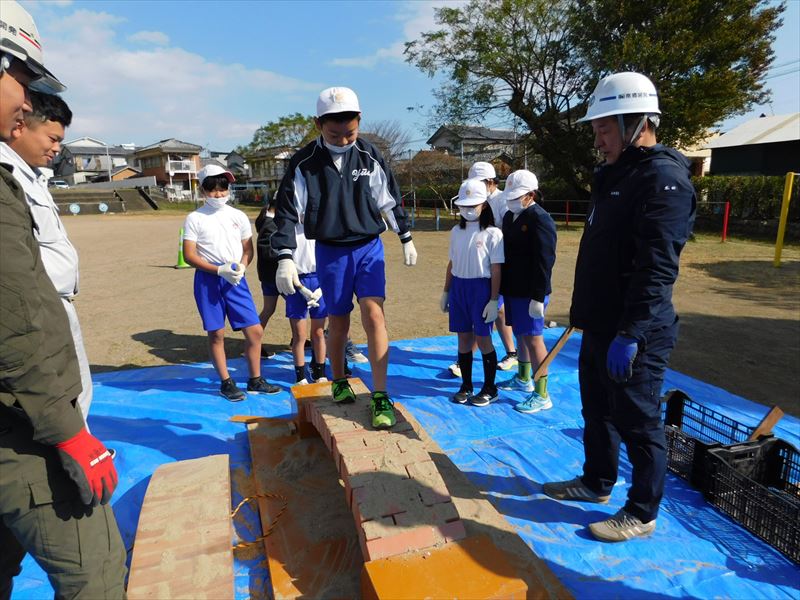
(691,430)
(758,485)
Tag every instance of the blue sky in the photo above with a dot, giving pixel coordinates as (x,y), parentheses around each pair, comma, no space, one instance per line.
(211,72)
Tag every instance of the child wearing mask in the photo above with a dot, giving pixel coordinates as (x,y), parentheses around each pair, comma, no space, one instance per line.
(471,288)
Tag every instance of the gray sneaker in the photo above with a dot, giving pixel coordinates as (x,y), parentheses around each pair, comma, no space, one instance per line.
(353,353)
(574,489)
(621,527)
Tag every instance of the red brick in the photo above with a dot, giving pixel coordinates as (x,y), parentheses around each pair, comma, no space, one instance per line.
(379,528)
(407,541)
(452,531)
(354,466)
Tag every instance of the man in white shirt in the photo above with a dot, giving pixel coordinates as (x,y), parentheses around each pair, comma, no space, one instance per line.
(33,144)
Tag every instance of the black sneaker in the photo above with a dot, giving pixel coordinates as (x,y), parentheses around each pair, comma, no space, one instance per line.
(259,385)
(461,396)
(265,353)
(229,390)
(484,398)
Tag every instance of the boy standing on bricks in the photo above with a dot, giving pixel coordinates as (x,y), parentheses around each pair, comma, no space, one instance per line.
(340,189)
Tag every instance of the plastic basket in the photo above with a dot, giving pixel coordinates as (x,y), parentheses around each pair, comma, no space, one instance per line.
(758,485)
(691,430)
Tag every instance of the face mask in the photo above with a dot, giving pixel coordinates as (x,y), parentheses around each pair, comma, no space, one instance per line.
(470,213)
(515,205)
(339,149)
(217,202)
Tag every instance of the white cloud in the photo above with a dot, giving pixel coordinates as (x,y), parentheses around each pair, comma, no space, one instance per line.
(417,17)
(121,92)
(158,38)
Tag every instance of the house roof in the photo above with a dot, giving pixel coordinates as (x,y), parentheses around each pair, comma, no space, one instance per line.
(118,170)
(93,147)
(204,162)
(763,130)
(275,152)
(172,145)
(473,133)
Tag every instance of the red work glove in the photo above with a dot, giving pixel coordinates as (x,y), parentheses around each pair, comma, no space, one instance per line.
(87,461)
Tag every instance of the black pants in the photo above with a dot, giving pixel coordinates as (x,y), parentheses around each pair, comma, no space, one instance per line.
(629,412)
(79,547)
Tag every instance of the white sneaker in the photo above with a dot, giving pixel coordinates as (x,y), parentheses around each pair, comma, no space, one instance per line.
(515,383)
(455,370)
(621,527)
(321,380)
(303,381)
(508,362)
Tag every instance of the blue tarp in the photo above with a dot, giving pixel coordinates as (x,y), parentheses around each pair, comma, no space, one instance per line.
(156,415)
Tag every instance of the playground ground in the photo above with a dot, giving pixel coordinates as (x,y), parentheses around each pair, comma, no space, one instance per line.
(740,316)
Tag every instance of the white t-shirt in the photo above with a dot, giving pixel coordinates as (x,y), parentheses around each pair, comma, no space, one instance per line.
(499,206)
(474,250)
(218,232)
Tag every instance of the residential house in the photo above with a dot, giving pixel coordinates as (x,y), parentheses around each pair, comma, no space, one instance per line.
(472,144)
(268,165)
(87,159)
(172,162)
(762,146)
(237,165)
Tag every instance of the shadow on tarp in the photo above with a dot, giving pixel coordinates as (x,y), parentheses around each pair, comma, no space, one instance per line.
(157,415)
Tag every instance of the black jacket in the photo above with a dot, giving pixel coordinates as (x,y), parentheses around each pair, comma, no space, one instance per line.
(529,242)
(344,208)
(267,257)
(642,213)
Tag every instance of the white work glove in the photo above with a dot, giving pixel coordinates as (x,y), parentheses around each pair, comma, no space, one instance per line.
(231,272)
(536,309)
(286,277)
(312,298)
(444,302)
(490,312)
(409,254)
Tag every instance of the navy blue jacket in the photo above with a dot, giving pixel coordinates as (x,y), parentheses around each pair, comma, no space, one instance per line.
(642,213)
(529,243)
(345,208)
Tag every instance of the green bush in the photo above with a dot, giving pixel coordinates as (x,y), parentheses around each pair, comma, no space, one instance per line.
(751,197)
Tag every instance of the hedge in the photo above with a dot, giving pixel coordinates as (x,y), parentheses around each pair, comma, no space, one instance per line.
(751,197)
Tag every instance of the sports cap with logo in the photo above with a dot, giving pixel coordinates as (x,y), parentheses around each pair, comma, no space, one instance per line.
(520,183)
(19,39)
(482,170)
(472,192)
(211,171)
(337,100)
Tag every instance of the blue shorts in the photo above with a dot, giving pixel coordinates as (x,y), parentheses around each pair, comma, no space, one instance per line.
(269,289)
(347,270)
(468,298)
(216,299)
(297,305)
(519,319)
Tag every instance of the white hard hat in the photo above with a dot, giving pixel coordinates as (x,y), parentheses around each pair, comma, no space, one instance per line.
(622,94)
(337,100)
(212,171)
(472,192)
(19,39)
(520,183)
(482,170)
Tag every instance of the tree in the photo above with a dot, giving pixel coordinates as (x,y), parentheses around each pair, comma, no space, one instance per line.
(289,131)
(389,137)
(538,59)
(435,175)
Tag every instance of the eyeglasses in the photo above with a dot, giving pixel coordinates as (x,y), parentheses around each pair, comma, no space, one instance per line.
(215,183)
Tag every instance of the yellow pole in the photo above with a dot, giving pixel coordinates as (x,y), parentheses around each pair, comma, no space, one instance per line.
(787,195)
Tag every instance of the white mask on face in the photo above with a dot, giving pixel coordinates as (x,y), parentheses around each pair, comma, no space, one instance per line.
(217,202)
(470,213)
(339,149)
(515,206)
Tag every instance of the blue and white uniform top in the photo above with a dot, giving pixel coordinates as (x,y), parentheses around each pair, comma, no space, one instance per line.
(218,233)
(473,250)
(304,255)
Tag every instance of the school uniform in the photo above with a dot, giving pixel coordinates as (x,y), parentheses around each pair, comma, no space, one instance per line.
(267,263)
(529,241)
(219,233)
(305,261)
(473,251)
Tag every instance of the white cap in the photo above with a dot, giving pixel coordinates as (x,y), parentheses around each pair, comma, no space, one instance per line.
(20,38)
(211,171)
(622,94)
(482,170)
(472,192)
(337,100)
(520,183)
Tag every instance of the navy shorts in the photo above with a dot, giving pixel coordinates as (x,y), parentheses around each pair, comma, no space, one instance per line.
(269,289)
(216,299)
(347,270)
(297,305)
(468,298)
(519,319)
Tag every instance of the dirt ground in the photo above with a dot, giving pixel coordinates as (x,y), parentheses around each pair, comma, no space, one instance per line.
(740,316)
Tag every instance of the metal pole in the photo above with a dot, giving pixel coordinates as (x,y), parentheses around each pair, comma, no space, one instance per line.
(108,160)
(462,164)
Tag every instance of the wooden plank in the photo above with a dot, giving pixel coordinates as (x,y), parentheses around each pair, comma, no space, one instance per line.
(560,343)
(183,542)
(774,415)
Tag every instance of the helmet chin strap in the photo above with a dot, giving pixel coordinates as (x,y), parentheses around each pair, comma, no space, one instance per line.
(636,131)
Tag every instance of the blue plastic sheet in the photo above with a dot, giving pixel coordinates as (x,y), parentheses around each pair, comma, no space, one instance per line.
(156,415)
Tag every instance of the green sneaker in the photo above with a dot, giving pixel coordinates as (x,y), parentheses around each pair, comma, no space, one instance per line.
(382,411)
(342,392)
